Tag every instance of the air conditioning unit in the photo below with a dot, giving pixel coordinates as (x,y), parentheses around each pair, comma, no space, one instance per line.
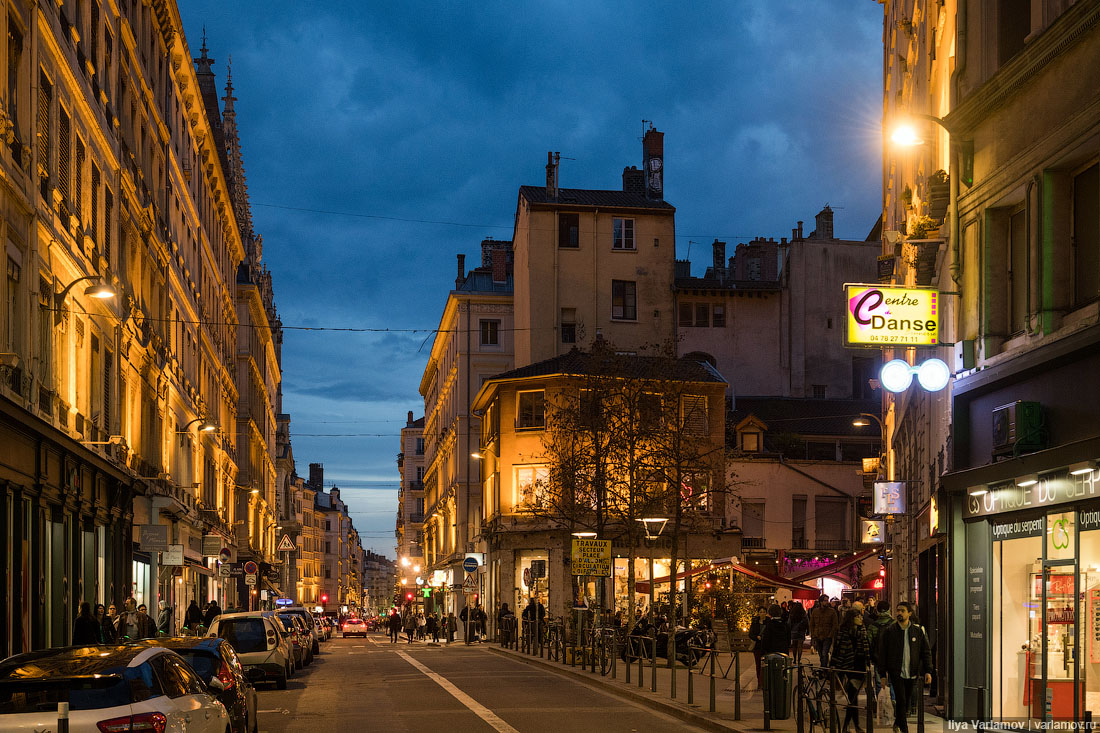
(1018,428)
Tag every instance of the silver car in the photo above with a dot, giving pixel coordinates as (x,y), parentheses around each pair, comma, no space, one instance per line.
(260,642)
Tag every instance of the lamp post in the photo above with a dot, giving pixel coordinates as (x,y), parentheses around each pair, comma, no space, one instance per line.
(100,290)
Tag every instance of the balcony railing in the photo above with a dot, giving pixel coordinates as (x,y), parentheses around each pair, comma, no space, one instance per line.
(417,518)
(832,544)
(753,543)
(800,543)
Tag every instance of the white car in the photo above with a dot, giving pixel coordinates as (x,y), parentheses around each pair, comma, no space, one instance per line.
(354,627)
(109,689)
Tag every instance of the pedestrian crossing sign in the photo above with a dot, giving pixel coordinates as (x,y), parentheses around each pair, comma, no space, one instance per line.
(286,544)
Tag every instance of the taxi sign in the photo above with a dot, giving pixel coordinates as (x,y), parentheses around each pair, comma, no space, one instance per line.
(591,557)
(879,316)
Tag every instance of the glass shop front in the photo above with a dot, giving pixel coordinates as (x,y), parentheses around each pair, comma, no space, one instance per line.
(1033,604)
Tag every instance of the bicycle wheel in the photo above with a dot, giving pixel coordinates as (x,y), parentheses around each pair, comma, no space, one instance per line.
(606,654)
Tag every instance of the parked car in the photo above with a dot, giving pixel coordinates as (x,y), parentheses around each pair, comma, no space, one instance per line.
(260,641)
(310,624)
(323,625)
(354,627)
(215,657)
(108,688)
(302,637)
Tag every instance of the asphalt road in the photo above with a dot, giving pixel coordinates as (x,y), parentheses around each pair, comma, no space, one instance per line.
(372,685)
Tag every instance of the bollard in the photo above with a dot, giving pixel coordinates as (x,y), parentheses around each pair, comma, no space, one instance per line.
(62,717)
(672,673)
(691,690)
(713,654)
(800,700)
(736,685)
(653,669)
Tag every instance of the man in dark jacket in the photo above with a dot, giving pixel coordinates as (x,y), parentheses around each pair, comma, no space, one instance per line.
(775,638)
(824,621)
(212,612)
(904,655)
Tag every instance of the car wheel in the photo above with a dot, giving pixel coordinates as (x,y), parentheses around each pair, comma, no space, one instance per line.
(281,682)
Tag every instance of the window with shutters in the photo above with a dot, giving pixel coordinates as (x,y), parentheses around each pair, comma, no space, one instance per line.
(64,153)
(752,519)
(719,320)
(694,414)
(15,57)
(107,392)
(687,315)
(78,179)
(702,314)
(108,215)
(93,45)
(11,302)
(831,522)
(94,214)
(45,98)
(1086,235)
(1018,271)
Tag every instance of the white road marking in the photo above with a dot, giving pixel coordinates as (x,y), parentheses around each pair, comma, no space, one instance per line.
(478,709)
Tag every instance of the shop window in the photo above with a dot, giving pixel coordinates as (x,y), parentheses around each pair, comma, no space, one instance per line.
(529,410)
(1015,637)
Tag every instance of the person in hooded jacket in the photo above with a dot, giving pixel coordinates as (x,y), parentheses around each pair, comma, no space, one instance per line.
(775,635)
(852,654)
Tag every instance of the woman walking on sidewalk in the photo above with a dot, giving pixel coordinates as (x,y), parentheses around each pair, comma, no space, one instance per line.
(851,654)
(800,626)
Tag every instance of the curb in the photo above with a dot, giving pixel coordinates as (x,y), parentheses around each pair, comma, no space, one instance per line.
(676,710)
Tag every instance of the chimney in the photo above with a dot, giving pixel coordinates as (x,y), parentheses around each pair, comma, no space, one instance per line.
(683,268)
(552,175)
(409,424)
(500,266)
(653,163)
(825,223)
(461,272)
(317,475)
(719,254)
(798,231)
(633,181)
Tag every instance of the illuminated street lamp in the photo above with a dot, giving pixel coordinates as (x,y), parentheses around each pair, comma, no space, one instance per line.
(100,290)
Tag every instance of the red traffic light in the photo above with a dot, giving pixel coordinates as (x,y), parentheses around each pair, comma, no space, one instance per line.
(408,596)
(324,599)
(882,571)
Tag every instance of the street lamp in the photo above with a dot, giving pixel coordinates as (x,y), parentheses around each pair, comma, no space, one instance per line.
(100,290)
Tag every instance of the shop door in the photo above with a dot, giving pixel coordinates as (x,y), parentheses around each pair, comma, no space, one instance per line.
(1058,692)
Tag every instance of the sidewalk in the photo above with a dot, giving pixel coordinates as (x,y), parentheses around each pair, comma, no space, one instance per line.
(697,713)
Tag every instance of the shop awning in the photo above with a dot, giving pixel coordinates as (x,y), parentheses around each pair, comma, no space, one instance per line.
(731,563)
(835,567)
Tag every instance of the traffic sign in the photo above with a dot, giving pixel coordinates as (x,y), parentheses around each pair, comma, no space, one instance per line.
(470,565)
(251,568)
(286,544)
(224,571)
(250,579)
(470,584)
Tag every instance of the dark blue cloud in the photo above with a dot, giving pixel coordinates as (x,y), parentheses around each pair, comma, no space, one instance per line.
(440,110)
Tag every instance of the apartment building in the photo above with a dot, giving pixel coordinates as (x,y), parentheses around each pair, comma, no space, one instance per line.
(410,500)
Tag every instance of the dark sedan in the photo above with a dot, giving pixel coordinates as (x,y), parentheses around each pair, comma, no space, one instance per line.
(215,657)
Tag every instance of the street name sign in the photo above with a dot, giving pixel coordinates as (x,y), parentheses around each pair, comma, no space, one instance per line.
(591,557)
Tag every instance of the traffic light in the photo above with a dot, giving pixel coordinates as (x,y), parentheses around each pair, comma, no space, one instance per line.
(324,599)
(882,571)
(408,596)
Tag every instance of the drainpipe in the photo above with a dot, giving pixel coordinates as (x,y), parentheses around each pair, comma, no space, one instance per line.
(956,155)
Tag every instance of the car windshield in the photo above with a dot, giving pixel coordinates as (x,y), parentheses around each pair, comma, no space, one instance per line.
(115,687)
(202,661)
(245,634)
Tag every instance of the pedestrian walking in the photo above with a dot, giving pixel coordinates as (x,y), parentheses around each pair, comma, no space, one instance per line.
(393,624)
(467,625)
(164,618)
(851,653)
(505,619)
(107,630)
(480,623)
(452,627)
(904,654)
(86,630)
(212,612)
(756,628)
(410,625)
(193,617)
(880,619)
(800,626)
(824,621)
(432,624)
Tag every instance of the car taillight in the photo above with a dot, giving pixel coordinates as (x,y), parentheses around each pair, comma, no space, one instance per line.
(226,676)
(271,641)
(155,722)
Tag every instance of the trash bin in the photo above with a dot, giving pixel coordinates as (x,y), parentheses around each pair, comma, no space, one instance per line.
(778,685)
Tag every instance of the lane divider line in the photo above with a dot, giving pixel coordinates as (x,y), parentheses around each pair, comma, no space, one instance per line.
(477,708)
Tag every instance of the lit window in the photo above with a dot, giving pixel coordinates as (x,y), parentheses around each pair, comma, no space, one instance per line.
(531,484)
(624,300)
(750,441)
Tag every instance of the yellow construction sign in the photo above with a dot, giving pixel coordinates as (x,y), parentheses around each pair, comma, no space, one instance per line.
(592,557)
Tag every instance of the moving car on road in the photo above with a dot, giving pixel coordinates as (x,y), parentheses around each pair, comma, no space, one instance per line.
(108,688)
(215,657)
(355,627)
(260,641)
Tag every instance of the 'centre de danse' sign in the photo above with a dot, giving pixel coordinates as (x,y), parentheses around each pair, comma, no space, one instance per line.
(887,316)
